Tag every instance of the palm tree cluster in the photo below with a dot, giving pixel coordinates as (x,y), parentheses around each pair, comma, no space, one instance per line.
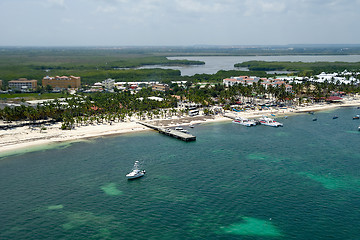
(91,108)
(107,107)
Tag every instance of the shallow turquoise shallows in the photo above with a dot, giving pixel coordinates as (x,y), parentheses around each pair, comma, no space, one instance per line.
(301,181)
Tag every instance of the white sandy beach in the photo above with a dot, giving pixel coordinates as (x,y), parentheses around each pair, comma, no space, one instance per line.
(26,137)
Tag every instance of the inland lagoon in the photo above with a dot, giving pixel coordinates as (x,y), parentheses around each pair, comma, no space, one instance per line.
(301,181)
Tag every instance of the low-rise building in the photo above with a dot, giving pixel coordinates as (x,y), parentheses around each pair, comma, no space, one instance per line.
(160,87)
(62,82)
(240,80)
(23,84)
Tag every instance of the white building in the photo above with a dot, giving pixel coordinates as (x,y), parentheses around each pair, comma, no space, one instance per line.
(109,84)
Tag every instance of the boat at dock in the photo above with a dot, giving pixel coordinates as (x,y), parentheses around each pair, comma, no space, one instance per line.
(269,122)
(244,121)
(135,172)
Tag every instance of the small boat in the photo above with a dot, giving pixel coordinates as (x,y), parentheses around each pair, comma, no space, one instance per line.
(270,122)
(191,126)
(314,119)
(359,128)
(184,130)
(178,128)
(356,117)
(244,122)
(335,117)
(135,172)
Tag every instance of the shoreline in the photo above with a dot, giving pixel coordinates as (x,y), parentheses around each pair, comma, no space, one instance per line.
(26,139)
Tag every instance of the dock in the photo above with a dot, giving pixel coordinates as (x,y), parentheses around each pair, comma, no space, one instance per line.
(171,132)
(228,116)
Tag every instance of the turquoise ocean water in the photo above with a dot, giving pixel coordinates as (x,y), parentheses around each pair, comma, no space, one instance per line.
(301,181)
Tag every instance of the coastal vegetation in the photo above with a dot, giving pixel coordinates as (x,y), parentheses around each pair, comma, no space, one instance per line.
(301,68)
(91,64)
(123,63)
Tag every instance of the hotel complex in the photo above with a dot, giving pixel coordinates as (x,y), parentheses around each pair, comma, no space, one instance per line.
(23,84)
(246,80)
(62,82)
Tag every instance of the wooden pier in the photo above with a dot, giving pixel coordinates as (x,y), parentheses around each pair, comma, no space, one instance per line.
(171,132)
(228,116)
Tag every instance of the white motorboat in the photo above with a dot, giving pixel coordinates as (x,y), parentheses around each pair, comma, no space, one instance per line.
(244,121)
(178,128)
(269,122)
(135,172)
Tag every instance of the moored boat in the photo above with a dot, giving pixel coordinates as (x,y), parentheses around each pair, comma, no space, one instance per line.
(135,172)
(269,122)
(356,117)
(244,122)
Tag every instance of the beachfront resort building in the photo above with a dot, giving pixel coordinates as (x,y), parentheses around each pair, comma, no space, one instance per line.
(23,84)
(62,82)
(246,80)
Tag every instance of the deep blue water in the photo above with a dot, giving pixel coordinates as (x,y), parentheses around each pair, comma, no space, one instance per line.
(301,181)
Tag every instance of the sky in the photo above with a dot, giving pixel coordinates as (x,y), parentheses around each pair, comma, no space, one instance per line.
(178,22)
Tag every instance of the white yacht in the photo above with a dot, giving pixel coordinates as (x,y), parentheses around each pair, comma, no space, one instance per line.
(269,122)
(135,172)
(244,121)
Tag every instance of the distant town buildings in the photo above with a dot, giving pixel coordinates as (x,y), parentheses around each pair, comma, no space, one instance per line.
(23,84)
(334,77)
(62,82)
